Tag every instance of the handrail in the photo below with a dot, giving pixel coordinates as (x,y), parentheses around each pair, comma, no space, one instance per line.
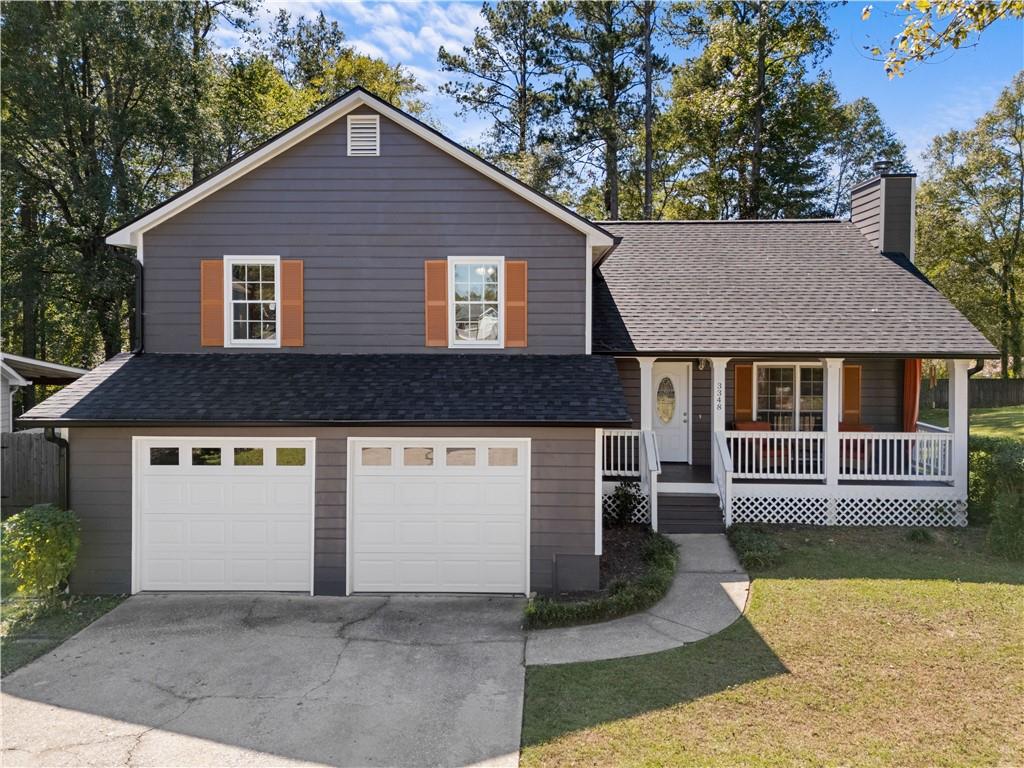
(924,426)
(621,453)
(653,456)
(777,455)
(890,456)
(723,475)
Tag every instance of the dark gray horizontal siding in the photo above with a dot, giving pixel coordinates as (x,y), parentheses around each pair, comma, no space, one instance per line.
(866,211)
(363,228)
(629,375)
(561,496)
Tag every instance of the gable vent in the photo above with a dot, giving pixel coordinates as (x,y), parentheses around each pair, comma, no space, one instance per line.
(363,135)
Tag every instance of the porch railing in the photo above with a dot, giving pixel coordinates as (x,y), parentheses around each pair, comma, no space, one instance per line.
(621,453)
(896,456)
(776,455)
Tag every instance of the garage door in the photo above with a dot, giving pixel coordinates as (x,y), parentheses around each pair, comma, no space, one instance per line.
(223,514)
(439,515)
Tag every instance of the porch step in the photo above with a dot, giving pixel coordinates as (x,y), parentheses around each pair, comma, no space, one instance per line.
(689,513)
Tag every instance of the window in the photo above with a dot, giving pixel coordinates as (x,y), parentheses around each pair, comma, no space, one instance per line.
(476,301)
(248,457)
(502,457)
(253,285)
(791,397)
(666,400)
(206,457)
(460,457)
(377,457)
(163,457)
(291,457)
(418,457)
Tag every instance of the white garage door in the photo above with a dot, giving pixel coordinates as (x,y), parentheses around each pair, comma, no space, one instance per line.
(439,515)
(223,514)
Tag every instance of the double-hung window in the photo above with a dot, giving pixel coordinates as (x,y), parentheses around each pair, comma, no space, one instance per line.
(791,397)
(253,288)
(475,300)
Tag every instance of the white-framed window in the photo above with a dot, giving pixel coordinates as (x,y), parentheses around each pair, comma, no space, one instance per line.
(476,292)
(790,396)
(252,286)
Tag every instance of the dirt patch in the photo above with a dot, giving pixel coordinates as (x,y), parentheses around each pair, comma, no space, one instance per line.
(622,557)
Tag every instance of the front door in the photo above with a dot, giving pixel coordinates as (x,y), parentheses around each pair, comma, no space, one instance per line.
(671,403)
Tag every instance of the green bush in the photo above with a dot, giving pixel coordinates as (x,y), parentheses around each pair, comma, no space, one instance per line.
(1006,531)
(995,467)
(626,497)
(755,547)
(39,547)
(623,598)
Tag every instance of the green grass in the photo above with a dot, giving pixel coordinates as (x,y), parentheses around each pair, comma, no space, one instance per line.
(859,647)
(28,630)
(624,598)
(985,422)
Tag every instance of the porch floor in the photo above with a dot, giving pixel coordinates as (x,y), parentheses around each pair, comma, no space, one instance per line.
(678,472)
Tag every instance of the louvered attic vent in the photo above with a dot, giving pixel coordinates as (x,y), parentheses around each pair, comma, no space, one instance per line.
(363,135)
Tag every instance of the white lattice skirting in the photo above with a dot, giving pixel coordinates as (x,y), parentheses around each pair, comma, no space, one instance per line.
(861,511)
(641,512)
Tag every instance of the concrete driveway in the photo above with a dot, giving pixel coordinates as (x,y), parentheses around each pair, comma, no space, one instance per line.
(190,680)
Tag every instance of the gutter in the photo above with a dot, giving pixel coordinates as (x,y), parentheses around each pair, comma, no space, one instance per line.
(51,436)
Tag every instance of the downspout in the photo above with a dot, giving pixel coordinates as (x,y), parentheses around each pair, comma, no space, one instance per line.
(979,364)
(137,347)
(51,436)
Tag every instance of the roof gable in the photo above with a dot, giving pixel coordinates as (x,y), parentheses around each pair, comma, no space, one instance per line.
(130,234)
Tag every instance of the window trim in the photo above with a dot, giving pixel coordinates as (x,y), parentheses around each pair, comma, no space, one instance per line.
(229,339)
(456,343)
(796,389)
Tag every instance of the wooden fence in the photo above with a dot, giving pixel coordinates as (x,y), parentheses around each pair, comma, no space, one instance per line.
(981,393)
(30,471)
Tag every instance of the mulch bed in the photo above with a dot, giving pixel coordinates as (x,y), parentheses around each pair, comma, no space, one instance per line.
(622,555)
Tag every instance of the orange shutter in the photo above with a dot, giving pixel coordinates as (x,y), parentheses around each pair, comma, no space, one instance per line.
(743,393)
(291,309)
(851,395)
(515,303)
(435,302)
(211,303)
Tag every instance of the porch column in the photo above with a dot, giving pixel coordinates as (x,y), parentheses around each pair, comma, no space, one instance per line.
(958,421)
(833,369)
(646,382)
(718,366)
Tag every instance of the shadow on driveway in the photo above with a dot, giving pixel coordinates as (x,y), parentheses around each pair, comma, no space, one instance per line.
(274,679)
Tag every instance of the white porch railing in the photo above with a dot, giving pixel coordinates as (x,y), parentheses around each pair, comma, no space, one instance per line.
(723,472)
(889,456)
(622,453)
(776,455)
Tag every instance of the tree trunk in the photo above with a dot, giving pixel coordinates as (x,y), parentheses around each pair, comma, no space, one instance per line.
(649,9)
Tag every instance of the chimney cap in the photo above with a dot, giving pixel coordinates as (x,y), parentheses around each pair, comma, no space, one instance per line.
(881,166)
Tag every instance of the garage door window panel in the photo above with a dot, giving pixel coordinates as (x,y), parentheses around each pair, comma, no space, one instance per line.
(502,457)
(460,457)
(376,456)
(248,457)
(291,457)
(206,457)
(418,457)
(163,457)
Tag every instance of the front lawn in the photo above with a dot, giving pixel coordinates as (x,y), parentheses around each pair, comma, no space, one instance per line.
(985,422)
(859,647)
(27,631)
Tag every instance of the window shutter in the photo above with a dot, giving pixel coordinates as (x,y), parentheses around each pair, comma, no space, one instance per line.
(851,394)
(743,393)
(211,303)
(435,301)
(291,309)
(515,303)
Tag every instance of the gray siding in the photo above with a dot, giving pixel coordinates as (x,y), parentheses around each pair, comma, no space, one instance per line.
(866,211)
(629,375)
(561,495)
(363,227)
(881,392)
(898,232)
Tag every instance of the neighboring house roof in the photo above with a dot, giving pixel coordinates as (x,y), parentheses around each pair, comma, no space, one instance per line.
(128,235)
(40,371)
(769,287)
(274,389)
(11,377)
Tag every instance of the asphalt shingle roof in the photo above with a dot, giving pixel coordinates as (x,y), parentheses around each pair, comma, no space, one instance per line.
(278,388)
(735,287)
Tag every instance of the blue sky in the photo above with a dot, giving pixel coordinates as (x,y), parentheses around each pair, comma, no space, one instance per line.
(948,92)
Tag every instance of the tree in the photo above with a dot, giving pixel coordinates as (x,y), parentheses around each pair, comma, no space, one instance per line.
(859,138)
(506,74)
(971,222)
(653,67)
(933,26)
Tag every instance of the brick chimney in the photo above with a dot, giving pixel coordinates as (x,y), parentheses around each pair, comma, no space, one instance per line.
(883,209)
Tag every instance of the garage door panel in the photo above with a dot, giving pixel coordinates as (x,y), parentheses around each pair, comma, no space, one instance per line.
(439,528)
(224,527)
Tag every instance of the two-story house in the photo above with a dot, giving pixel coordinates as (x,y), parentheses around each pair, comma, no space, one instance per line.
(372,362)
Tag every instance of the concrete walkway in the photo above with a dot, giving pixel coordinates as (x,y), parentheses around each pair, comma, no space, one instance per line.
(709,593)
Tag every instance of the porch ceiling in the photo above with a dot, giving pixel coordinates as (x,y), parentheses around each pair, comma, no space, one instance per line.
(805,288)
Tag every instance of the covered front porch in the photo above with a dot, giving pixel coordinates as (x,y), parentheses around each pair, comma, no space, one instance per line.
(817,441)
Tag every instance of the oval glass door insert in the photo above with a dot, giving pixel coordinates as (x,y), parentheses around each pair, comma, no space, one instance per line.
(666,400)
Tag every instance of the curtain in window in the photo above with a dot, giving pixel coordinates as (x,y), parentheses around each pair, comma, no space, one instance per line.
(911,393)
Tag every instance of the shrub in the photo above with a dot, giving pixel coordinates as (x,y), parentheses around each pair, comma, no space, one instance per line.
(626,497)
(755,547)
(1006,531)
(995,465)
(39,547)
(920,536)
(623,598)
